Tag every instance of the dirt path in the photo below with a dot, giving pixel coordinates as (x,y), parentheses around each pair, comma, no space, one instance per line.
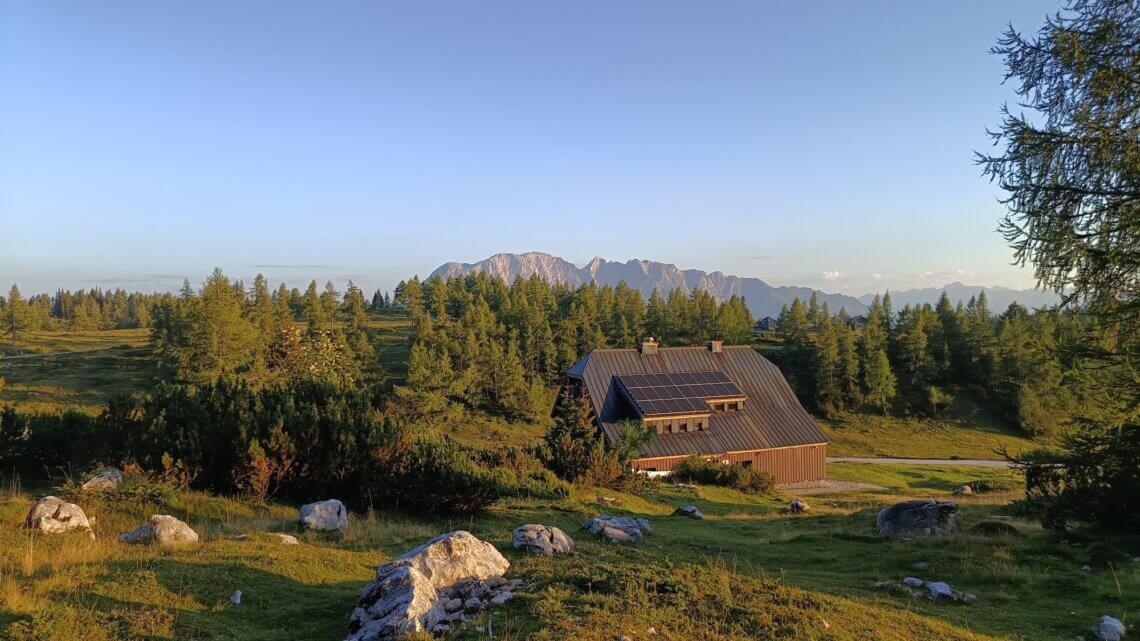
(966,462)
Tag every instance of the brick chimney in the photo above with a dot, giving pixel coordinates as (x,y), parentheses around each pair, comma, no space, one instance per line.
(648,346)
(715,347)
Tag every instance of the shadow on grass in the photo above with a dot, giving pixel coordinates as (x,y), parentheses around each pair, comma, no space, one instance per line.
(273,607)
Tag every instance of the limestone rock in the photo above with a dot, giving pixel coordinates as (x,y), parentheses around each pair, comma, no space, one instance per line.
(162,529)
(542,539)
(964,490)
(619,529)
(286,539)
(324,515)
(1109,629)
(691,511)
(918,518)
(104,479)
(54,516)
(419,590)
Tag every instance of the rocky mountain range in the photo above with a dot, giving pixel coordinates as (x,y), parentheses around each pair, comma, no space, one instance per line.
(763,299)
(998,298)
(644,275)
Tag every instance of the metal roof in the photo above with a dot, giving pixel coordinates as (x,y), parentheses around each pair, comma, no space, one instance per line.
(676,393)
(772,416)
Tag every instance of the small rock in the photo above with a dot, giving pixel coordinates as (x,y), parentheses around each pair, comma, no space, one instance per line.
(501,598)
(1086,568)
(609,500)
(472,604)
(920,566)
(441,629)
(104,479)
(239,537)
(162,529)
(690,511)
(798,506)
(235,598)
(542,539)
(453,605)
(964,490)
(623,637)
(938,589)
(619,529)
(913,582)
(1109,629)
(324,515)
(652,631)
(286,539)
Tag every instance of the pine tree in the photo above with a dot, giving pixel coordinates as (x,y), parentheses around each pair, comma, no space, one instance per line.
(656,316)
(828,394)
(849,369)
(15,313)
(879,380)
(315,316)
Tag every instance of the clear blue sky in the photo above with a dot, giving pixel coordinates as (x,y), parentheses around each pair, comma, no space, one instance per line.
(824,143)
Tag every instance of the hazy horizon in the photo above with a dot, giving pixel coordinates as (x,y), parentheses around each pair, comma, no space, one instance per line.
(826,146)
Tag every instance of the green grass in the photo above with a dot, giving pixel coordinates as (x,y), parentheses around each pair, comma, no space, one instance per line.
(746,568)
(966,430)
(74,370)
(81,370)
(929,479)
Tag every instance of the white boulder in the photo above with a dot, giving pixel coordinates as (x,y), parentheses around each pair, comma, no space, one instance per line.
(1109,629)
(162,529)
(428,587)
(103,479)
(54,516)
(542,539)
(324,515)
(619,529)
(691,511)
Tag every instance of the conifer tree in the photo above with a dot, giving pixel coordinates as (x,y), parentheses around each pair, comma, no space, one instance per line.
(15,312)
(879,380)
(315,316)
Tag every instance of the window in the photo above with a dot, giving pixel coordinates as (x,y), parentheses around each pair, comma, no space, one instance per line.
(684,427)
(746,464)
(650,469)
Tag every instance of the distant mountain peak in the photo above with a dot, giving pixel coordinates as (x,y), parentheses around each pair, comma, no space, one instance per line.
(646,276)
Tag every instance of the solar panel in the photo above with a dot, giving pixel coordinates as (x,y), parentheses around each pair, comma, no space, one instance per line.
(676,392)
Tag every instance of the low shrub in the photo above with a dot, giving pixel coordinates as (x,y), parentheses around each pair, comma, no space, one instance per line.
(519,473)
(989,486)
(696,469)
(434,477)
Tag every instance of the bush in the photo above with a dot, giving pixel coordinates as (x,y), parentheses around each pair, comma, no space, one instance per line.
(520,473)
(988,486)
(938,399)
(696,469)
(433,477)
(1094,479)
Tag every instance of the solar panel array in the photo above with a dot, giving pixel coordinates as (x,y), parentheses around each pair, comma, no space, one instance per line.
(676,392)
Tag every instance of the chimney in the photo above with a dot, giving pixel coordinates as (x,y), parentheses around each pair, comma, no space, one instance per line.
(715,347)
(648,346)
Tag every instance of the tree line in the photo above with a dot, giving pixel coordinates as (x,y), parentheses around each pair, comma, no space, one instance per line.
(479,343)
(1024,363)
(98,309)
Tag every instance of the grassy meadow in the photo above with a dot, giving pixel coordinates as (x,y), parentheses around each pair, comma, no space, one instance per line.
(965,430)
(748,566)
(749,571)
